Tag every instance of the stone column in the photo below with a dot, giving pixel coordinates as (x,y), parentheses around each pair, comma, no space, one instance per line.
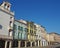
(38,43)
(25,43)
(43,43)
(35,43)
(19,42)
(46,43)
(6,44)
(31,44)
(10,44)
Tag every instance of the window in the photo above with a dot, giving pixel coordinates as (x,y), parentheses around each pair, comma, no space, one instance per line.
(15,27)
(5,6)
(31,31)
(25,29)
(21,28)
(23,35)
(31,25)
(36,35)
(11,17)
(18,27)
(10,30)
(15,35)
(19,35)
(0,26)
(8,6)
(10,22)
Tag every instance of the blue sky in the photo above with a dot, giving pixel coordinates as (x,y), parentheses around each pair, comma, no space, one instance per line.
(44,12)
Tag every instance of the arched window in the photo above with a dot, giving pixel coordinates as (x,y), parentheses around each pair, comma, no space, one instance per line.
(0,26)
(5,6)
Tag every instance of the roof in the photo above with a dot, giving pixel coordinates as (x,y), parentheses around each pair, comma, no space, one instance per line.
(54,33)
(19,21)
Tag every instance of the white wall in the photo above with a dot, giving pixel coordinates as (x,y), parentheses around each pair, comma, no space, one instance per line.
(38,32)
(4,22)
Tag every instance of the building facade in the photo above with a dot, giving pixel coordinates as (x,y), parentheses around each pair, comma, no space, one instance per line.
(20,30)
(38,35)
(6,25)
(31,29)
(44,36)
(53,38)
(21,33)
(41,36)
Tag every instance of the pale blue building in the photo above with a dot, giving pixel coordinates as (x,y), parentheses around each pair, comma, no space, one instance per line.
(19,33)
(20,30)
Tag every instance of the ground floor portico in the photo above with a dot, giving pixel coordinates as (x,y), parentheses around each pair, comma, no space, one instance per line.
(26,43)
(5,43)
(2,43)
(19,43)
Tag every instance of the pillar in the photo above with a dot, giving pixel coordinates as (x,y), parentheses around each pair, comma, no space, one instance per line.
(31,44)
(43,43)
(35,43)
(46,43)
(25,43)
(38,43)
(10,44)
(19,44)
(6,44)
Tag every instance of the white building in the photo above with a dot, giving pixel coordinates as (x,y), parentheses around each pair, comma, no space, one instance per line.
(40,33)
(6,24)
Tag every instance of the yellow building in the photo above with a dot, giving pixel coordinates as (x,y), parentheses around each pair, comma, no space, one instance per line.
(31,29)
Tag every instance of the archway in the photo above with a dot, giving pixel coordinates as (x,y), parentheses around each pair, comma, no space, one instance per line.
(28,44)
(2,43)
